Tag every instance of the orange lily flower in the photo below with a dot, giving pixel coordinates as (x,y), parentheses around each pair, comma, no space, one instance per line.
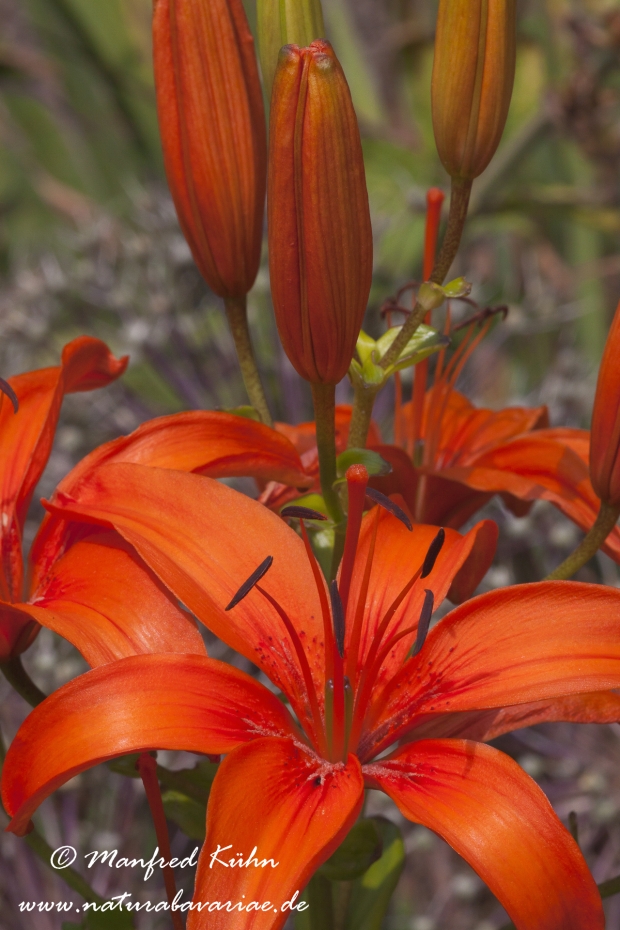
(468,455)
(86,584)
(360,675)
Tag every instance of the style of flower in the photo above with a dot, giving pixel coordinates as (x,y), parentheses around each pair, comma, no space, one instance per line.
(86,583)
(361,674)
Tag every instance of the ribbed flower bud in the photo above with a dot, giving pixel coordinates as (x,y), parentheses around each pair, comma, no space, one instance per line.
(473,76)
(605,435)
(320,238)
(285,22)
(212,122)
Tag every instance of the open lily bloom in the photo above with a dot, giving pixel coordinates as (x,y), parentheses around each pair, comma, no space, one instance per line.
(361,677)
(90,586)
(468,454)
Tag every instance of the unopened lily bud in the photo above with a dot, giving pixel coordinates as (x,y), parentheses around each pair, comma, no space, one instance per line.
(285,22)
(212,122)
(473,76)
(605,435)
(320,238)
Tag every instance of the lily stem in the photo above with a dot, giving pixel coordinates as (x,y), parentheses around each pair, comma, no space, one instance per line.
(459,204)
(18,677)
(147,768)
(605,522)
(237,313)
(324,398)
(362,415)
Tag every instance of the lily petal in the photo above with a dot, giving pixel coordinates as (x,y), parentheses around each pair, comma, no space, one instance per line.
(511,646)
(27,438)
(271,799)
(220,445)
(203,543)
(542,466)
(136,704)
(495,816)
(105,601)
(485,725)
(461,564)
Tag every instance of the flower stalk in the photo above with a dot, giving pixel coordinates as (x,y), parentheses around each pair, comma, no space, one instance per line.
(237,314)
(605,522)
(20,680)
(324,398)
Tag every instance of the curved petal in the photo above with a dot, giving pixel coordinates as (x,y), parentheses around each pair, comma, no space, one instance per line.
(512,646)
(220,445)
(543,466)
(485,725)
(496,817)
(204,540)
(272,800)
(137,704)
(399,554)
(27,438)
(105,601)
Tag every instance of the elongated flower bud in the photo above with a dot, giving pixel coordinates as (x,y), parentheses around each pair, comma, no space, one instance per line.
(473,76)
(285,22)
(212,123)
(605,435)
(320,238)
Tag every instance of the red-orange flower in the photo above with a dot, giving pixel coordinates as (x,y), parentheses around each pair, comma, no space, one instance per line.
(212,122)
(86,583)
(320,239)
(605,435)
(360,676)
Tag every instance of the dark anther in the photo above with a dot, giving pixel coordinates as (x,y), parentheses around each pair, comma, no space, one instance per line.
(302,513)
(425,621)
(433,551)
(389,505)
(338,615)
(6,388)
(254,578)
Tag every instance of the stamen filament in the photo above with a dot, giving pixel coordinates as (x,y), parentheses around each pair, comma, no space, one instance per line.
(329,717)
(356,633)
(339,711)
(316,718)
(348,715)
(328,632)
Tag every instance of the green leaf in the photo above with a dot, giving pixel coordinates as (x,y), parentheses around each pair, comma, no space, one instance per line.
(375,465)
(189,815)
(360,849)
(457,288)
(320,913)
(312,502)
(371,894)
(424,343)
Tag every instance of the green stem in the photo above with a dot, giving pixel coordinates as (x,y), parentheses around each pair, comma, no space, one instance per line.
(324,398)
(18,677)
(415,318)
(459,203)
(237,313)
(362,415)
(605,522)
